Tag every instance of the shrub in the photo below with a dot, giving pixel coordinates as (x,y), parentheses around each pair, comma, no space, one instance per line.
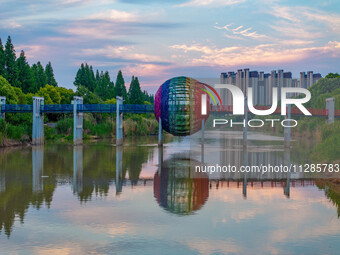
(64,126)
(15,132)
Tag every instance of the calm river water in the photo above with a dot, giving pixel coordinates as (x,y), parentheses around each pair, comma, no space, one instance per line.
(99,199)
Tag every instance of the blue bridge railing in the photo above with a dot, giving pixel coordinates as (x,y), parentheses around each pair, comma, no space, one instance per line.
(16,108)
(57,108)
(68,108)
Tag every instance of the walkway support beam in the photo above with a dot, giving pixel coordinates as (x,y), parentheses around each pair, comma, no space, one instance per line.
(2,102)
(330,108)
(119,122)
(38,121)
(77,121)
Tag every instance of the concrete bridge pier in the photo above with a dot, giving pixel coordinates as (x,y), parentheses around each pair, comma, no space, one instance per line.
(77,121)
(38,121)
(287,129)
(37,168)
(119,122)
(2,102)
(160,133)
(77,169)
(245,129)
(330,108)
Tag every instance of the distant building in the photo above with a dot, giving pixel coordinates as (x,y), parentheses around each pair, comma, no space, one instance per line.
(263,84)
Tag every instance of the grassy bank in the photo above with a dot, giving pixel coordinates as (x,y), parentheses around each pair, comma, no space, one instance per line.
(95,127)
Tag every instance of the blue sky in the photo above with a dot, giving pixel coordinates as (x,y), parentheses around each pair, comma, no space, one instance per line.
(157,40)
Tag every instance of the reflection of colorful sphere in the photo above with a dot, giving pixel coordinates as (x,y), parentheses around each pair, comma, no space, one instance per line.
(178,104)
(179,189)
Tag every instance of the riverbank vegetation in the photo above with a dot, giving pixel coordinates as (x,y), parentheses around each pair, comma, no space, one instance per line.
(19,82)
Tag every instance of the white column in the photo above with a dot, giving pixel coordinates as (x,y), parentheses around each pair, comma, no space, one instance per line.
(77,121)
(38,121)
(119,122)
(330,107)
(2,102)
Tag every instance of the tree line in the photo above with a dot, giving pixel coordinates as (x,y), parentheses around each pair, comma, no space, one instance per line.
(20,74)
(95,87)
(101,85)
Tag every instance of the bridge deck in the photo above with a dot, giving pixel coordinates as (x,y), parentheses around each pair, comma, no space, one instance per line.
(68,108)
(133,108)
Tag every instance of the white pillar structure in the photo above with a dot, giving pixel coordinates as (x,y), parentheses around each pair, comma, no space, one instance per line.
(38,121)
(119,122)
(77,121)
(2,102)
(330,107)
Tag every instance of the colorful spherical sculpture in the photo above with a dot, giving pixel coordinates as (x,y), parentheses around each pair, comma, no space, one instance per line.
(178,104)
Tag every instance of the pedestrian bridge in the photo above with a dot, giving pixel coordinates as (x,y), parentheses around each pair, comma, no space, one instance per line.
(136,108)
(85,108)
(77,108)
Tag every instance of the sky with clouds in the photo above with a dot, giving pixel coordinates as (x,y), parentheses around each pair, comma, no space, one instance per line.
(157,40)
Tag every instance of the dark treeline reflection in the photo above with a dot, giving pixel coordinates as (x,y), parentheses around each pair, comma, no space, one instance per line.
(17,193)
(29,176)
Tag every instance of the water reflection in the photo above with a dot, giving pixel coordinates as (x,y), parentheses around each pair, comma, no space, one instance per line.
(78,169)
(37,168)
(178,188)
(125,187)
(119,169)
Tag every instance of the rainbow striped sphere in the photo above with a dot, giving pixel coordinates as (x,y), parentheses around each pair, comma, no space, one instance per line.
(178,105)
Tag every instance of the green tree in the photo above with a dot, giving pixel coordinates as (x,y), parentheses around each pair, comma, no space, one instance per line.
(2,59)
(89,97)
(8,91)
(11,69)
(135,93)
(65,94)
(15,96)
(39,76)
(148,98)
(50,94)
(50,75)
(85,77)
(105,87)
(25,76)
(120,89)
(332,76)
